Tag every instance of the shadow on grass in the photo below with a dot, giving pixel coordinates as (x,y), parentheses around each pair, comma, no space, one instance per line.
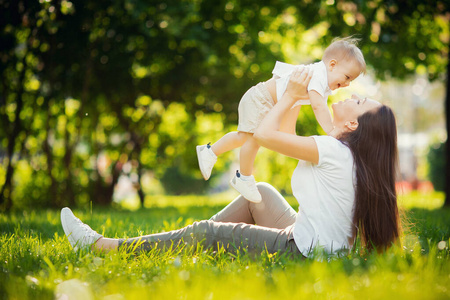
(45,223)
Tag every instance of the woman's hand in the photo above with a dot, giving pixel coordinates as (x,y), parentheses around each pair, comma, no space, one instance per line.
(297,87)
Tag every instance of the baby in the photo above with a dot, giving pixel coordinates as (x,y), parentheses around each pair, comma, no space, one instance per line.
(341,63)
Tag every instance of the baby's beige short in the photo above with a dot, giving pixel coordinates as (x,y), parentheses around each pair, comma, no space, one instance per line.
(253,107)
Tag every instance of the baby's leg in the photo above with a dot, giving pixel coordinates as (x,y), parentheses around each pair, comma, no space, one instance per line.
(243,181)
(207,155)
(229,141)
(247,155)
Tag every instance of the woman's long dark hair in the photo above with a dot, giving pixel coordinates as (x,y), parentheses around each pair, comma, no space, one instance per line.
(374,148)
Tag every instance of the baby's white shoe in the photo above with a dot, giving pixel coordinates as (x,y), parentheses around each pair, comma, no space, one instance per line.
(206,160)
(79,234)
(247,187)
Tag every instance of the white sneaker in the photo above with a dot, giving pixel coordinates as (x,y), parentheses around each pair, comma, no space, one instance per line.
(247,188)
(79,234)
(206,160)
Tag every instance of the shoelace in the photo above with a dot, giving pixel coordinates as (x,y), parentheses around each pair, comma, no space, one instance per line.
(88,232)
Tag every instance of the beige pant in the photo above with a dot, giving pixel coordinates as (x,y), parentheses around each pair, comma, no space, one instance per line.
(253,107)
(240,225)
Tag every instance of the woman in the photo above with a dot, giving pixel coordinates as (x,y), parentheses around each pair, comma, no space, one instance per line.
(344,183)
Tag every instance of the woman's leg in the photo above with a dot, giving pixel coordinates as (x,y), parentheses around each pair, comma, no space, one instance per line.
(273,211)
(229,141)
(209,234)
(106,244)
(216,235)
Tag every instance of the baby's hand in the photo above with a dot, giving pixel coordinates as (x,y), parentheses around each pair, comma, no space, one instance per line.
(298,83)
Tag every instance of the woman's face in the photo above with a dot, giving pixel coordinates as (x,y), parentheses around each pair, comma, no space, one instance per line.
(351,109)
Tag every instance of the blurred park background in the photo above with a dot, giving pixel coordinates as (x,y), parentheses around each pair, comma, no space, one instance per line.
(103,102)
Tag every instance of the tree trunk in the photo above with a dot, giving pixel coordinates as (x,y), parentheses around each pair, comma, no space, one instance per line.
(53,189)
(104,191)
(139,183)
(7,188)
(447,144)
(68,188)
(70,146)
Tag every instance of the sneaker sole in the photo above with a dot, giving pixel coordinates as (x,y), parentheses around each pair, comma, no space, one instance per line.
(200,165)
(233,185)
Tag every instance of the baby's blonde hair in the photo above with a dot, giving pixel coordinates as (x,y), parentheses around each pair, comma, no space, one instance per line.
(345,49)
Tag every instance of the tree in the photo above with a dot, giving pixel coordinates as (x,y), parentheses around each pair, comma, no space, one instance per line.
(89,64)
(89,87)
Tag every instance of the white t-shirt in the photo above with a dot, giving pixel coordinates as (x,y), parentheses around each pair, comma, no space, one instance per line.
(318,83)
(325,193)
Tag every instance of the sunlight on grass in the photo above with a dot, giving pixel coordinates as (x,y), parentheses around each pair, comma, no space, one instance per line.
(37,261)
(180,201)
(416,199)
(191,200)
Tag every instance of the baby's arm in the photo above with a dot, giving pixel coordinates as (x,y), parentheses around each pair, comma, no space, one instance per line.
(321,111)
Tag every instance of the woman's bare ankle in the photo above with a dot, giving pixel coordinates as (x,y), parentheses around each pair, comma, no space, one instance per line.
(105,244)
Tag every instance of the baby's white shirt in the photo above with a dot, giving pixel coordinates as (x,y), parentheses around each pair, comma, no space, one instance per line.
(318,83)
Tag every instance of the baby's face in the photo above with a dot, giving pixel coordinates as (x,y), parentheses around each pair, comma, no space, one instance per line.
(341,73)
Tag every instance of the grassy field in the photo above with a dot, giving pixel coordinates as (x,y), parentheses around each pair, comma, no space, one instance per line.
(37,261)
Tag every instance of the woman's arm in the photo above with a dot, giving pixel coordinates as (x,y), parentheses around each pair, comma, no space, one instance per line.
(289,121)
(268,133)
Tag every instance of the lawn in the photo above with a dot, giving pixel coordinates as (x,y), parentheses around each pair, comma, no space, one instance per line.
(37,261)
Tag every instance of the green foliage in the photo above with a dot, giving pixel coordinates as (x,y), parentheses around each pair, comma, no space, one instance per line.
(436,161)
(90,88)
(37,262)
(177,183)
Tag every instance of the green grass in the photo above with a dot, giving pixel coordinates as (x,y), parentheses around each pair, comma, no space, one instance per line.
(37,261)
